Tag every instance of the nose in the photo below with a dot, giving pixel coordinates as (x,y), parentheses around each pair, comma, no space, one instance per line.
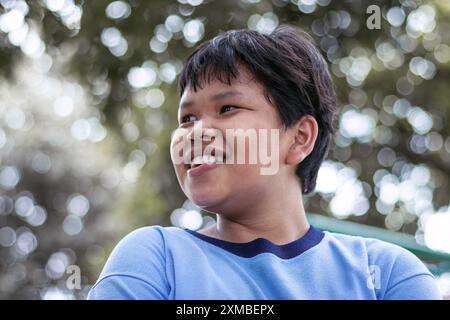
(202,131)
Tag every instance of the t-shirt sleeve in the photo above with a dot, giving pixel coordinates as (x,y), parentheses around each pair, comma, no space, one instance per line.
(135,269)
(409,278)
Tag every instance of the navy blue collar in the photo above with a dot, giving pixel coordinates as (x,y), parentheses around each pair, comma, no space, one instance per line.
(250,249)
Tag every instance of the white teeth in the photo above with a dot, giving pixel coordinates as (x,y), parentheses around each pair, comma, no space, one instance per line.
(203,159)
(210,159)
(197,160)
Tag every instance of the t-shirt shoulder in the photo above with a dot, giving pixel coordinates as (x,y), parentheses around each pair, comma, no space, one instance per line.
(125,273)
(395,272)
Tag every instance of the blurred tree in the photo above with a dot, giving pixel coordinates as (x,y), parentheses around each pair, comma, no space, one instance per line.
(389,166)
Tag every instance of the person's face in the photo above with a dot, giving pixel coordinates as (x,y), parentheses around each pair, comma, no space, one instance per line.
(219,106)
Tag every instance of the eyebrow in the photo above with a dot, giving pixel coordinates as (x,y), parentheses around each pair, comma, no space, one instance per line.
(215,97)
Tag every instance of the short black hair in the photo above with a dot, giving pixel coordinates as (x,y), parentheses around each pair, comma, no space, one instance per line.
(292,71)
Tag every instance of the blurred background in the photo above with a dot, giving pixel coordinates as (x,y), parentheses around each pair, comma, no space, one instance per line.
(88,101)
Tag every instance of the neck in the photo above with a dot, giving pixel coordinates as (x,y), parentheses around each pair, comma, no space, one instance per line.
(278,217)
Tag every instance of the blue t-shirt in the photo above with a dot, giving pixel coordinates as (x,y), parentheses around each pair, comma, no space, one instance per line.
(173,263)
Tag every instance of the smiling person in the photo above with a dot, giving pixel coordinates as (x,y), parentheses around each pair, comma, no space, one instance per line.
(261,246)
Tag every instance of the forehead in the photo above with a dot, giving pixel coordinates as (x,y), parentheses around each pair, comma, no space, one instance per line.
(244,84)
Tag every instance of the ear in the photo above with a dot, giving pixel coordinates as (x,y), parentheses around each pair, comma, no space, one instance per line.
(304,135)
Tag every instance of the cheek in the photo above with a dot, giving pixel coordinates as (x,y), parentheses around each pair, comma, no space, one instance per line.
(180,172)
(179,142)
(243,176)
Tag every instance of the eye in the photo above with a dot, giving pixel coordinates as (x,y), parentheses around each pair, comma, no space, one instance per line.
(188,118)
(227,108)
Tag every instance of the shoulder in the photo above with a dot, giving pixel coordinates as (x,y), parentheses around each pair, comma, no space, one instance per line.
(391,257)
(396,272)
(139,242)
(375,250)
(136,268)
(141,246)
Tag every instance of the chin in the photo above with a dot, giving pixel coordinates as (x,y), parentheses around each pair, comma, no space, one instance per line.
(207,200)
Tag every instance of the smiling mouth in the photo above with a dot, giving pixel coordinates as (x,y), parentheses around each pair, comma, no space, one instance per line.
(201,160)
